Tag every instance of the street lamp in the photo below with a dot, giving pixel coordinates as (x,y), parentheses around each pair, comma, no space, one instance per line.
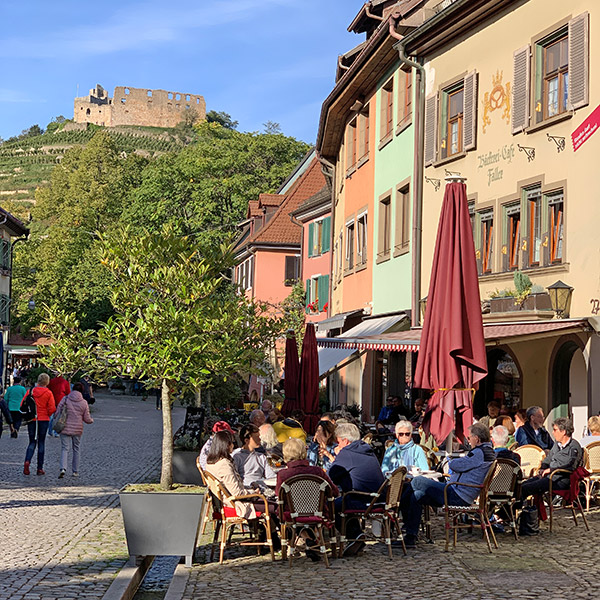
(560,298)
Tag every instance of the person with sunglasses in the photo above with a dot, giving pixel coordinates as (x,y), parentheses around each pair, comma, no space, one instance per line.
(404,452)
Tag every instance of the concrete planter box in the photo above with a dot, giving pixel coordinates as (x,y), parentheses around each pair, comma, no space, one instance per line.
(184,467)
(161,523)
(532,302)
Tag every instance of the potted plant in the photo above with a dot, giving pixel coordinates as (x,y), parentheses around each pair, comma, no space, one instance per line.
(525,296)
(177,322)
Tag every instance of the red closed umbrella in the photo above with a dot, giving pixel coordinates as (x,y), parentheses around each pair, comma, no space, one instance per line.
(308,387)
(452,355)
(291,375)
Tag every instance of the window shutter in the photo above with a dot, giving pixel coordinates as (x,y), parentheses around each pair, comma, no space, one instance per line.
(311,238)
(431,108)
(323,291)
(401,97)
(520,93)
(470,111)
(579,61)
(326,243)
(290,273)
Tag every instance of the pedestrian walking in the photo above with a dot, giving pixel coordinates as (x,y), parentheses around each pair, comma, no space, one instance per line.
(88,390)
(4,412)
(38,428)
(13,398)
(59,387)
(78,413)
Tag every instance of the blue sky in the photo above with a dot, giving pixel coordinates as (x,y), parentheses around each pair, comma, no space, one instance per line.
(258,60)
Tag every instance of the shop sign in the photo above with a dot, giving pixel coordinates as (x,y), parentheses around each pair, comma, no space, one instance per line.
(585,131)
(503,156)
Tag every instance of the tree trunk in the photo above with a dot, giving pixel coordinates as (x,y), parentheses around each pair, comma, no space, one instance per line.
(166,474)
(198,397)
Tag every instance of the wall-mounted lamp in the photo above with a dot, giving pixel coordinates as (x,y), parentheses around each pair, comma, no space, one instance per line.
(530,152)
(559,141)
(435,182)
(423,308)
(560,298)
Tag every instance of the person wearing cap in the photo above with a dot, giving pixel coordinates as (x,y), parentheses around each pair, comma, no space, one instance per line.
(218,426)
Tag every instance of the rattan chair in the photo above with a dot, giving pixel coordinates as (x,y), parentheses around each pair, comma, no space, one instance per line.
(504,488)
(227,520)
(569,499)
(592,464)
(478,509)
(306,502)
(384,507)
(531,458)
(207,509)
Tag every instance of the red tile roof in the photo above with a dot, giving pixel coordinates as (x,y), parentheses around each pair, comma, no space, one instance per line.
(254,209)
(281,229)
(271,199)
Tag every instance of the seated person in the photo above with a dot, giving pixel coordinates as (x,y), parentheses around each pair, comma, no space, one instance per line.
(520,418)
(565,454)
(271,445)
(593,432)
(291,427)
(417,418)
(328,416)
(533,431)
(275,415)
(507,422)
(257,417)
(252,466)
(355,468)
(403,452)
(220,464)
(218,426)
(294,454)
(388,413)
(471,469)
(500,442)
(493,410)
(321,451)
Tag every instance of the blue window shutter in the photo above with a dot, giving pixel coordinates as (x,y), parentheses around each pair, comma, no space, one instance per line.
(326,245)
(311,237)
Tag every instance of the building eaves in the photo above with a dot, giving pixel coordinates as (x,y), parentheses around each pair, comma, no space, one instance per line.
(15,227)
(321,199)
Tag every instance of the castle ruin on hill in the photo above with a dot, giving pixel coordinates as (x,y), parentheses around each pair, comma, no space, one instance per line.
(137,106)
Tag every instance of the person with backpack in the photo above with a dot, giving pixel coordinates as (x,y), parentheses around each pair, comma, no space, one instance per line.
(59,387)
(38,426)
(78,413)
(13,396)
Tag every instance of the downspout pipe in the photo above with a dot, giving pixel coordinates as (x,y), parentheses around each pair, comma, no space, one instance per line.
(418,172)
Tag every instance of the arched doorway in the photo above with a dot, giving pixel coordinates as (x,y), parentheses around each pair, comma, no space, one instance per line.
(503,383)
(569,383)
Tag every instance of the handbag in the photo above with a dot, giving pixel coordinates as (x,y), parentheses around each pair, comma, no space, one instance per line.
(60,417)
(529,522)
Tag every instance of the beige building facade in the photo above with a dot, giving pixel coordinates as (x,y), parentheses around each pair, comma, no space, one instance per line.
(513,105)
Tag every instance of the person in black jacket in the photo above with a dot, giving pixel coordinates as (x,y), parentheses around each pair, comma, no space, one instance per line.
(4,412)
(500,441)
(355,468)
(565,454)
(533,432)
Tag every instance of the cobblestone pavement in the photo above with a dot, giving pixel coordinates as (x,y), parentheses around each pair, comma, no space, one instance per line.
(64,538)
(551,566)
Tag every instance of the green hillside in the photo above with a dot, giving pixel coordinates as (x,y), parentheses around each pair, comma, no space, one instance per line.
(27,163)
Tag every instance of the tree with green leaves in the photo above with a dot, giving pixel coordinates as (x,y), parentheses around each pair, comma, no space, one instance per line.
(177,320)
(221,118)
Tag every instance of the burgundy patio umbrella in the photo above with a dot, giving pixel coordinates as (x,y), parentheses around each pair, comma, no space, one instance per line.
(291,375)
(452,355)
(308,386)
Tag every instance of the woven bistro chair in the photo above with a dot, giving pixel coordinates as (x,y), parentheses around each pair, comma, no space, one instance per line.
(531,458)
(384,507)
(227,520)
(592,464)
(504,488)
(570,497)
(207,509)
(479,508)
(306,502)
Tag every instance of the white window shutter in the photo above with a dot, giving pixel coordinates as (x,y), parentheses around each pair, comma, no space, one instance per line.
(431,111)
(520,92)
(470,111)
(579,61)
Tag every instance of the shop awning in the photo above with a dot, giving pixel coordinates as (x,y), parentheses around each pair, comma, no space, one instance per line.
(331,359)
(337,321)
(408,341)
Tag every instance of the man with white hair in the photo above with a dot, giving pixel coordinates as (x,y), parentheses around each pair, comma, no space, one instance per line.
(500,442)
(355,468)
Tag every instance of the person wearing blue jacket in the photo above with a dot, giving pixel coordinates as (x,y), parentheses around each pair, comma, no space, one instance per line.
(470,469)
(404,452)
(355,468)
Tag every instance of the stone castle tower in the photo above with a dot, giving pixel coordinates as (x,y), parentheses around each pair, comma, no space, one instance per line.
(137,106)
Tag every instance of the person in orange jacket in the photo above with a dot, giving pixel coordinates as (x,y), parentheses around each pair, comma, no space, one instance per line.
(38,428)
